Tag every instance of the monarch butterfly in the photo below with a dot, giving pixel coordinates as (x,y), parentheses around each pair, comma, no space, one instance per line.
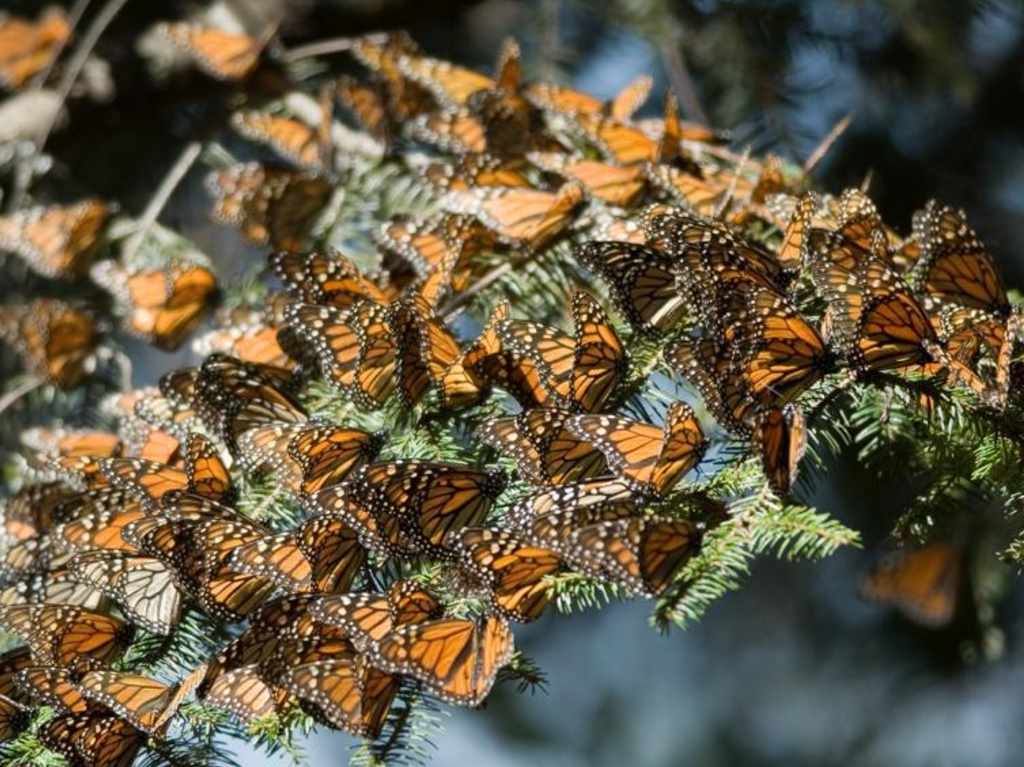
(222,55)
(599,359)
(144,480)
(97,518)
(206,472)
(548,515)
(781,435)
(573,103)
(268,204)
(513,569)
(620,186)
(57,586)
(368,102)
(51,686)
(93,739)
(546,451)
(642,282)
(163,305)
(878,325)
(143,587)
(792,253)
(655,458)
(68,636)
(456,659)
(71,443)
(243,693)
(338,685)
(232,397)
(475,171)
(58,240)
(145,703)
(923,583)
(330,279)
(451,85)
(525,217)
(618,141)
(27,48)
(428,499)
(366,618)
(33,510)
(292,139)
(323,554)
(250,341)
(642,554)
(726,395)
(54,340)
(512,124)
(355,348)
(429,357)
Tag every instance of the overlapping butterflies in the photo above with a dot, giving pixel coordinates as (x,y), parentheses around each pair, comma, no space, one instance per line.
(129,529)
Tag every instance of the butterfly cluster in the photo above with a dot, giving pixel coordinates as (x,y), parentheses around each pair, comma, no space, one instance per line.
(396,570)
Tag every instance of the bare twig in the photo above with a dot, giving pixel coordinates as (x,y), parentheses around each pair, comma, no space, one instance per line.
(74,17)
(682,83)
(27,386)
(160,198)
(731,192)
(319,48)
(77,62)
(826,144)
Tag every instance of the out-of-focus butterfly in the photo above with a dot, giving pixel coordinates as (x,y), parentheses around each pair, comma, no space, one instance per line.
(523,217)
(253,339)
(781,436)
(450,84)
(322,554)
(627,144)
(232,397)
(456,131)
(475,171)
(556,98)
(291,138)
(512,568)
(653,457)
(47,442)
(58,240)
(444,244)
(96,520)
(546,451)
(54,340)
(161,305)
(13,718)
(93,739)
(27,48)
(268,204)
(923,583)
(145,703)
(616,185)
(355,348)
(67,636)
(222,55)
(456,659)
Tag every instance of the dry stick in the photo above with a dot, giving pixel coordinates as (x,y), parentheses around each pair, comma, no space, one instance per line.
(163,194)
(724,204)
(74,17)
(826,143)
(682,82)
(321,48)
(77,62)
(29,385)
(482,284)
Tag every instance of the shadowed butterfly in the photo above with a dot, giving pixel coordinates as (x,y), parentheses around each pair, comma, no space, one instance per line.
(33,510)
(92,739)
(573,103)
(781,436)
(923,583)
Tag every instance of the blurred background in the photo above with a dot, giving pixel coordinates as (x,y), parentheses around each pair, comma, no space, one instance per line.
(795,668)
